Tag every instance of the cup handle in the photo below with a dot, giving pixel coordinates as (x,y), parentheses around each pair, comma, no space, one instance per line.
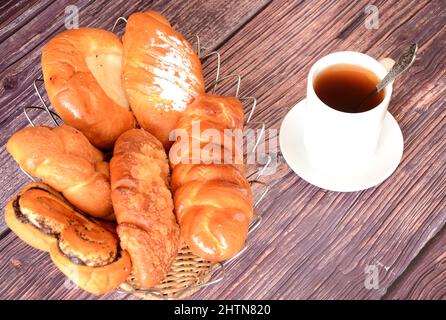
(387,63)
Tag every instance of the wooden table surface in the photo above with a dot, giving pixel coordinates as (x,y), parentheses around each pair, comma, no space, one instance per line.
(313,243)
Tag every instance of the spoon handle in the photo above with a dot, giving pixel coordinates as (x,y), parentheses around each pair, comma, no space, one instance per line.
(403,62)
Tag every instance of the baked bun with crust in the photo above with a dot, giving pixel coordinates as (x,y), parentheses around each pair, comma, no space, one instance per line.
(64,159)
(212,198)
(201,136)
(143,206)
(162,74)
(82,73)
(81,248)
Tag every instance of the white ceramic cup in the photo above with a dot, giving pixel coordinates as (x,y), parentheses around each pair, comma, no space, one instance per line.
(337,140)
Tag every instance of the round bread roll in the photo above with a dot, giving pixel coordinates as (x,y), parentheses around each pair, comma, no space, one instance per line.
(82,73)
(161,73)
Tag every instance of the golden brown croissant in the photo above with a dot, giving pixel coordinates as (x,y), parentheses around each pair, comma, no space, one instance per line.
(161,73)
(82,249)
(213,201)
(64,159)
(82,73)
(143,206)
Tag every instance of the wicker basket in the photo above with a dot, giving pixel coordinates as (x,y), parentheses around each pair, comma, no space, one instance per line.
(188,274)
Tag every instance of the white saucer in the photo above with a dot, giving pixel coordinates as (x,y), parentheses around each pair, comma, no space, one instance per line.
(381,166)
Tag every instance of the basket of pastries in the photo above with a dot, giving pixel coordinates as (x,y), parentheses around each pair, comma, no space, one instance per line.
(120,199)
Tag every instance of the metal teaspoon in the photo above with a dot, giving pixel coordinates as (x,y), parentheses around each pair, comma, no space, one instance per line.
(402,64)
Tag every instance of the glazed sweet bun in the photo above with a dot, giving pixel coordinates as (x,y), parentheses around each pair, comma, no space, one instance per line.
(82,249)
(82,73)
(226,112)
(214,216)
(161,73)
(191,152)
(185,173)
(212,198)
(64,159)
(210,131)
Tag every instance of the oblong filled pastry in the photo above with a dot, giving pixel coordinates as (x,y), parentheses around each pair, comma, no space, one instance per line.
(64,159)
(143,206)
(82,72)
(161,73)
(84,250)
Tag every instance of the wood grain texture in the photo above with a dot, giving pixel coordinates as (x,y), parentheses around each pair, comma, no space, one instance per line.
(426,276)
(314,243)
(15,14)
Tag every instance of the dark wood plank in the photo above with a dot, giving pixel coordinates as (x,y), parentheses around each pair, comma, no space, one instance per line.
(425,279)
(314,243)
(15,14)
(213,20)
